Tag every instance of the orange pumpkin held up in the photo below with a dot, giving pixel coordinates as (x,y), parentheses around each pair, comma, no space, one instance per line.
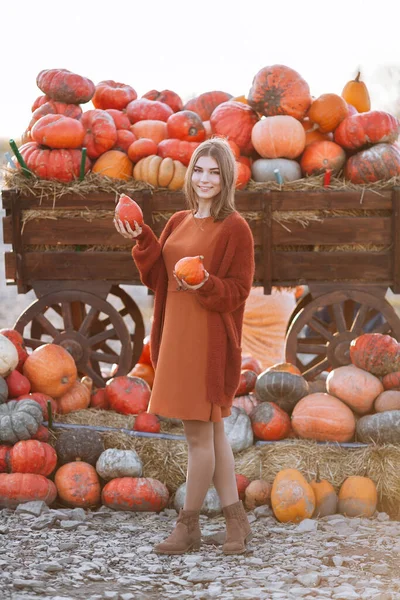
(128,210)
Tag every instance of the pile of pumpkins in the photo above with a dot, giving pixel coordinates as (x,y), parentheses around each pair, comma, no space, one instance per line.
(277,132)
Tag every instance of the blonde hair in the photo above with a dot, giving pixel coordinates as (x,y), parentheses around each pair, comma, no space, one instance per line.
(224,203)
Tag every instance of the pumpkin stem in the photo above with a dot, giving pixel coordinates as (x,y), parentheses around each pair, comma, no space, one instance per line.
(19,158)
(49,415)
(357,79)
(83,161)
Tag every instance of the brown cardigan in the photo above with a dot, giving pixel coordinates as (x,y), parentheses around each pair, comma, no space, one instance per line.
(223,295)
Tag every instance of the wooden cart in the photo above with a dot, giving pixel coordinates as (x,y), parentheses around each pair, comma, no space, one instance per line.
(301,238)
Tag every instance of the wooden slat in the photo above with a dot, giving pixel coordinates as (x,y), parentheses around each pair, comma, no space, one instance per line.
(10,266)
(331,200)
(267,246)
(396,240)
(335,231)
(331,266)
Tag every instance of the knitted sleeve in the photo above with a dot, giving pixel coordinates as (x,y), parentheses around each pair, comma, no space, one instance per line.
(228,293)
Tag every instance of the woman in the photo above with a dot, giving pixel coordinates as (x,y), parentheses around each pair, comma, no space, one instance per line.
(196,333)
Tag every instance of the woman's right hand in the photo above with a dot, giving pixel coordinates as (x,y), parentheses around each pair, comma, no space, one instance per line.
(126,230)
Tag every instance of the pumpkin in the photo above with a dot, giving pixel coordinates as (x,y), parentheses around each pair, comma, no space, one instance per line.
(380,428)
(373,127)
(114,463)
(145,357)
(43,401)
(251,363)
(127,210)
(292,497)
(325,496)
(147,422)
(241,483)
(59,164)
(284,367)
(58,131)
(173,100)
(357,497)
(238,430)
(120,118)
(100,132)
(79,444)
(150,129)
(124,140)
(55,108)
(278,137)
(128,395)
(211,505)
(112,94)
(313,134)
(281,387)
(318,157)
(137,494)
(246,383)
(270,422)
(143,371)
(235,121)
(142,148)
(243,175)
(78,485)
(19,420)
(324,418)
(40,100)
(161,172)
(17,384)
(114,164)
(375,352)
(51,370)
(279,90)
(264,169)
(177,150)
(77,397)
(351,110)
(355,387)
(64,86)
(391,381)
(3,391)
(99,400)
(190,269)
(257,493)
(8,356)
(18,488)
(42,434)
(328,111)
(355,92)
(205,104)
(246,403)
(143,109)
(186,125)
(16,338)
(380,162)
(5,459)
(32,456)
(387,400)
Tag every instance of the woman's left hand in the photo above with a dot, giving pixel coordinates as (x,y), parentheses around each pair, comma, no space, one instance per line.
(182,285)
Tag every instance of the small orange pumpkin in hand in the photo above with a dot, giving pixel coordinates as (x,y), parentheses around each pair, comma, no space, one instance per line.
(190,269)
(128,210)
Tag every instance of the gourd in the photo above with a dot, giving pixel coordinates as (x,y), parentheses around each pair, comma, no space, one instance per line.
(115,164)
(327,111)
(137,494)
(282,387)
(53,164)
(318,157)
(78,485)
(143,109)
(387,400)
(238,430)
(292,498)
(81,445)
(114,463)
(8,356)
(374,352)
(357,497)
(380,162)
(19,420)
(77,397)
(242,482)
(147,422)
(64,86)
(32,456)
(128,395)
(205,104)
(18,488)
(161,172)
(186,125)
(380,428)
(128,210)
(263,169)
(257,493)
(235,121)
(325,496)
(190,269)
(324,418)
(58,131)
(373,127)
(355,92)
(100,132)
(51,370)
(278,137)
(270,422)
(355,387)
(112,94)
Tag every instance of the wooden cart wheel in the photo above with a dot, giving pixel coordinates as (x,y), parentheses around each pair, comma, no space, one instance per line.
(129,308)
(302,303)
(67,317)
(319,337)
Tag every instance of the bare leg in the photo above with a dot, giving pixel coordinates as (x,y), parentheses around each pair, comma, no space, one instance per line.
(201,462)
(224,474)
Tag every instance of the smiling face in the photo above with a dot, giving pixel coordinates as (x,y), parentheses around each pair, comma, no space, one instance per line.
(206,180)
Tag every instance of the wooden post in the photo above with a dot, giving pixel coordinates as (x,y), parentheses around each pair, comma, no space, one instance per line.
(17,242)
(267,241)
(395,287)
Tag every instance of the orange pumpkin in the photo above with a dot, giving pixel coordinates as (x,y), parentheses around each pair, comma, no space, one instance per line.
(246,383)
(247,403)
(318,157)
(78,485)
(357,497)
(120,118)
(114,164)
(249,362)
(323,418)
(112,94)
(101,133)
(43,400)
(64,86)
(77,397)
(186,125)
(18,488)
(375,352)
(190,269)
(58,131)
(292,498)
(128,395)
(243,175)
(141,148)
(128,210)
(278,137)
(206,103)
(391,381)
(378,163)
(355,92)
(373,127)
(325,496)
(143,371)
(177,150)
(150,129)
(99,400)
(51,370)
(257,493)
(235,121)
(32,456)
(147,422)
(328,111)
(143,109)
(55,108)
(58,164)
(355,387)
(136,494)
(313,134)
(286,367)
(17,384)
(270,422)
(124,140)
(173,100)
(387,400)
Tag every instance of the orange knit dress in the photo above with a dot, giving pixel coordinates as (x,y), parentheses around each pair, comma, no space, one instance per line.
(179,389)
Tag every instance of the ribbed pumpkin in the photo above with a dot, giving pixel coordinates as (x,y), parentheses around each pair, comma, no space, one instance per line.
(128,395)
(325,496)
(204,104)
(40,100)
(101,133)
(99,400)
(143,109)
(257,493)
(169,97)
(124,140)
(17,384)
(373,127)
(235,121)
(161,172)
(247,403)
(114,164)
(252,363)
(313,134)
(292,497)
(358,497)
(19,420)
(278,137)
(141,148)
(377,353)
(264,169)
(391,381)
(143,371)
(328,111)
(186,125)
(79,444)
(57,164)
(52,107)
(77,397)
(136,494)
(112,94)
(279,90)
(177,150)
(378,163)
(32,456)
(318,157)
(43,401)
(281,387)
(18,488)
(64,86)
(387,400)
(247,382)
(355,92)
(380,428)
(355,387)
(58,131)
(120,118)
(147,422)
(51,370)
(243,175)
(150,129)
(5,458)
(270,422)
(114,463)
(16,338)
(323,418)
(78,485)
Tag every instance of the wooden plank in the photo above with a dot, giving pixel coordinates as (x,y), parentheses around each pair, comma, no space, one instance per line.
(301,267)
(267,245)
(396,240)
(17,244)
(10,266)
(331,200)
(335,231)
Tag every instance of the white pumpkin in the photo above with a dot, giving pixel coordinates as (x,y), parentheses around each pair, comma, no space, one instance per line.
(113,463)
(211,505)
(262,169)
(238,430)
(8,356)
(355,387)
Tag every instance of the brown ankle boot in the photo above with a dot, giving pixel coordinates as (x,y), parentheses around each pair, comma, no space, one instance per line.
(185,537)
(238,531)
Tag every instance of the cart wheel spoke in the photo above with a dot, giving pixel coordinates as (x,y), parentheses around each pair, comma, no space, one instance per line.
(339,317)
(311,348)
(47,326)
(359,319)
(101,337)
(32,343)
(103,357)
(316,369)
(317,326)
(67,316)
(88,320)
(385,328)
(95,376)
